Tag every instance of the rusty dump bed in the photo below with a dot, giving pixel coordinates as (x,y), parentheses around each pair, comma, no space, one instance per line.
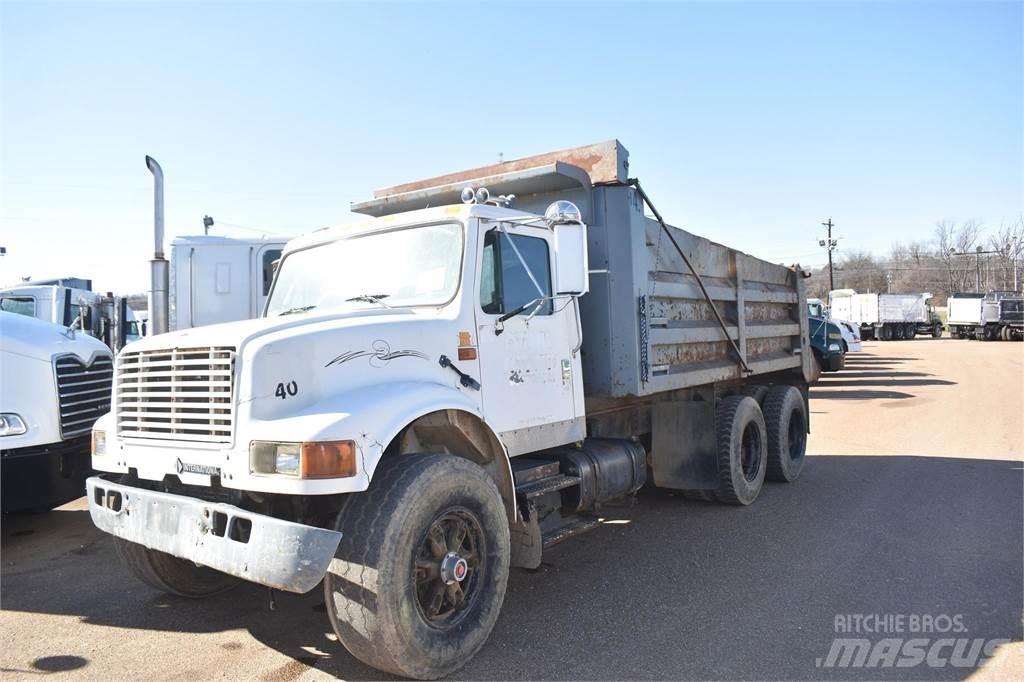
(647,327)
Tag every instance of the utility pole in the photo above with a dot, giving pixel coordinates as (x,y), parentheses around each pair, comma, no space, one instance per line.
(829,244)
(978,252)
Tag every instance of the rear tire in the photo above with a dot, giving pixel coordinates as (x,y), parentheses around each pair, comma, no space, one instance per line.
(170,574)
(785,418)
(909,331)
(756,392)
(388,593)
(742,450)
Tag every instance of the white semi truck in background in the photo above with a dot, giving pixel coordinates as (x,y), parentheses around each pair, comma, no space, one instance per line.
(433,395)
(55,381)
(219,279)
(886,317)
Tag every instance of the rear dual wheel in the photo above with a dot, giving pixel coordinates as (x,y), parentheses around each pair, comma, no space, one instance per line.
(755,443)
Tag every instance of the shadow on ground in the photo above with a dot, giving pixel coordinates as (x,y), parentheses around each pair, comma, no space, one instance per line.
(666,589)
(872,377)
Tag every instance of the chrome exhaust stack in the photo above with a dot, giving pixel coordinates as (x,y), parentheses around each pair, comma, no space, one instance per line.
(159,268)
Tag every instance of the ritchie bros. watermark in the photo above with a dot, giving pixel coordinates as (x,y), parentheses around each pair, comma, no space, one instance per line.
(905,640)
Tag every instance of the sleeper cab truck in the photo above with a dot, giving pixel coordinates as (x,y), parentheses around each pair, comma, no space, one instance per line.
(435,395)
(55,383)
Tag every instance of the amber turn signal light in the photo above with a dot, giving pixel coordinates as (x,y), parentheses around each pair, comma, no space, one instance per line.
(328,459)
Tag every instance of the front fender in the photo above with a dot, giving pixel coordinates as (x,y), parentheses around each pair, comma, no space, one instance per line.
(371,416)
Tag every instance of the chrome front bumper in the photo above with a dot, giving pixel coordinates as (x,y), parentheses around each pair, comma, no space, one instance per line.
(272,552)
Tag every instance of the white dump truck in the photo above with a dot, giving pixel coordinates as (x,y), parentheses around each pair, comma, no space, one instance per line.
(886,317)
(997,315)
(54,383)
(445,390)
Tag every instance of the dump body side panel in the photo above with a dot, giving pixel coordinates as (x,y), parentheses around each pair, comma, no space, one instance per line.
(902,308)
(651,330)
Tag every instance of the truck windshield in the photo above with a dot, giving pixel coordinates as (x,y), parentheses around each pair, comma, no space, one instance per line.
(22,305)
(415,266)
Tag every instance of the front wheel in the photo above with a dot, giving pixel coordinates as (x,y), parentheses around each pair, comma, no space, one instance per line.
(420,573)
(937,332)
(170,574)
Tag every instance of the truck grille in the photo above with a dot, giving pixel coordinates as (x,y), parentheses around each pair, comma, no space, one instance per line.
(83,392)
(176,394)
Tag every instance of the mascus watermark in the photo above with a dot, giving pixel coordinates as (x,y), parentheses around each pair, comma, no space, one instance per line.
(905,640)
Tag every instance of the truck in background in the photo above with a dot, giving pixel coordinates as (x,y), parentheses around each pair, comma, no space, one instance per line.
(219,279)
(816,308)
(436,394)
(886,317)
(72,302)
(56,383)
(826,341)
(997,315)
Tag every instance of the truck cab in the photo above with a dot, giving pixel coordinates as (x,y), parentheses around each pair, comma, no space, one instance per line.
(56,382)
(826,338)
(220,279)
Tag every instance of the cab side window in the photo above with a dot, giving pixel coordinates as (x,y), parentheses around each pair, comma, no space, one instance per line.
(269,256)
(505,284)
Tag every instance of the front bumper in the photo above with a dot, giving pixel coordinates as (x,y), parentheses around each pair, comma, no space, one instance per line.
(835,362)
(262,549)
(41,477)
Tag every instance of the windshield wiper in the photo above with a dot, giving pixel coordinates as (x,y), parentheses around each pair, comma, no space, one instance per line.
(370,298)
(297,309)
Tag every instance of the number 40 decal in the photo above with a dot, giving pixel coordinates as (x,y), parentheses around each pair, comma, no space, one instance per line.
(284,390)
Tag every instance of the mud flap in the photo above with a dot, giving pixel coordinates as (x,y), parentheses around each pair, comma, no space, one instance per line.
(684,451)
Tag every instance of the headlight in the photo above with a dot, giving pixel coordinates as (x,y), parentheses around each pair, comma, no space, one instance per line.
(99,443)
(11,424)
(326,459)
(834,347)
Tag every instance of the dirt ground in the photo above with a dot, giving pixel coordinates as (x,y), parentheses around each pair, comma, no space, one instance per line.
(910,505)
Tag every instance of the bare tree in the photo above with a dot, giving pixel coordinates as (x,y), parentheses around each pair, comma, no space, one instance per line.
(952,239)
(1008,243)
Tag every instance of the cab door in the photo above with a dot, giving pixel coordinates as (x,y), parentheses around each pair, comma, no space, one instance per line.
(528,367)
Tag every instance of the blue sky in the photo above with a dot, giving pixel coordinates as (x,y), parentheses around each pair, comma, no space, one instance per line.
(747,123)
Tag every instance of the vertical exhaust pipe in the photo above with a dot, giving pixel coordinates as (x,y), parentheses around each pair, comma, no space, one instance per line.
(159,311)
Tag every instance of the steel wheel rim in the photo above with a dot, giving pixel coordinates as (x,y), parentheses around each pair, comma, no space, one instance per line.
(750,452)
(453,540)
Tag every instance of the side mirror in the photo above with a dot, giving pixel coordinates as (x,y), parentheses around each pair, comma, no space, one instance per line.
(571,262)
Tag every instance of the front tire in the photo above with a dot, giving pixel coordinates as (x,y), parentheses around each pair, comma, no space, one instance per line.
(421,570)
(742,450)
(937,331)
(170,574)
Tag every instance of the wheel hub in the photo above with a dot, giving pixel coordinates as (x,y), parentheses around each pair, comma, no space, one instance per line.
(454,568)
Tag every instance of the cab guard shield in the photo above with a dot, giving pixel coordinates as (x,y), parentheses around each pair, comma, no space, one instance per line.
(262,549)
